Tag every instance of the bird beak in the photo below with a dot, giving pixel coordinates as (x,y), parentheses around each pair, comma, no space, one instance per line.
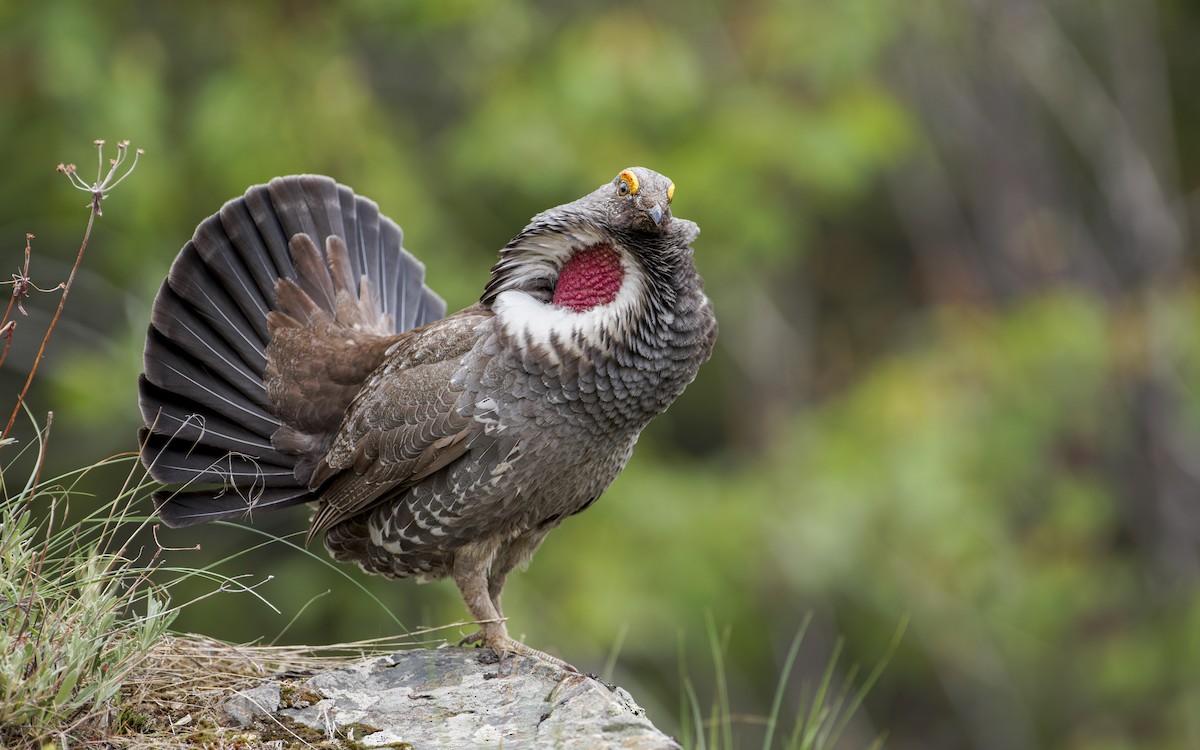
(656,214)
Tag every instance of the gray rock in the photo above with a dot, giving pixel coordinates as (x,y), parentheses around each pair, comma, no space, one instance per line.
(246,704)
(460,698)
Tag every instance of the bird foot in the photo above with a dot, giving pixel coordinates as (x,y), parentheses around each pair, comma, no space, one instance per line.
(471,640)
(503,646)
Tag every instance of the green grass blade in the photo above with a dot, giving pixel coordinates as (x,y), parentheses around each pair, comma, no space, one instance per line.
(722,719)
(780,688)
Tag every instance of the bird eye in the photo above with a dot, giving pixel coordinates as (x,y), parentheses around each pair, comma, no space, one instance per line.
(670,192)
(627,183)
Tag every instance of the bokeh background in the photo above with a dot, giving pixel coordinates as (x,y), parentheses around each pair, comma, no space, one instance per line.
(952,249)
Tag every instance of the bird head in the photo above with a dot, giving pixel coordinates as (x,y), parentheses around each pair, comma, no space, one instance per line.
(581,255)
(640,199)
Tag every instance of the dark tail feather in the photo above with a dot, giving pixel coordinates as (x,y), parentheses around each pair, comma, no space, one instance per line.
(179,373)
(209,421)
(182,508)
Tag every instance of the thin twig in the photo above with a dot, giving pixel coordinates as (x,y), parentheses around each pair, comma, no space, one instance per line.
(21,286)
(53,322)
(6,331)
(99,191)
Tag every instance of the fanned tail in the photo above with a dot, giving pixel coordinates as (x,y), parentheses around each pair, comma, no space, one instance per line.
(295,278)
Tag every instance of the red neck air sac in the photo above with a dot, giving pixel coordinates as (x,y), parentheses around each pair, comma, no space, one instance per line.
(590,278)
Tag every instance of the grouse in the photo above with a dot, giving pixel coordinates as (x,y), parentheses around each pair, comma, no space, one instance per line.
(295,355)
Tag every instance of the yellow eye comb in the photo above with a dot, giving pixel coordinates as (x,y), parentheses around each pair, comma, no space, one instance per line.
(628,184)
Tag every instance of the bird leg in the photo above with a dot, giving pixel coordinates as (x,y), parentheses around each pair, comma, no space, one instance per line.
(495,585)
(482,597)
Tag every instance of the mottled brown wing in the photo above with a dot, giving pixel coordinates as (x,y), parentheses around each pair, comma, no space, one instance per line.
(403,426)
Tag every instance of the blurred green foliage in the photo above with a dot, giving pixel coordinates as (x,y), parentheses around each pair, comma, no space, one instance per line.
(949,244)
